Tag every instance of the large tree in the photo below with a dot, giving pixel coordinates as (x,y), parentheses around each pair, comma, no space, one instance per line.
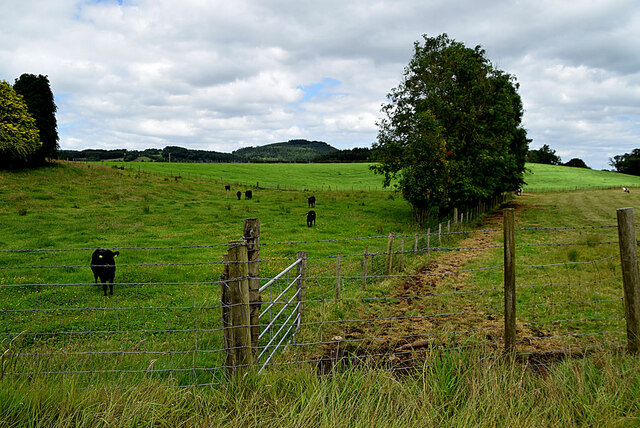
(628,163)
(39,98)
(545,155)
(19,138)
(452,132)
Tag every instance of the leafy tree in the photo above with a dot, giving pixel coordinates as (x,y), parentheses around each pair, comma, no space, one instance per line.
(452,132)
(19,139)
(39,98)
(577,163)
(628,163)
(544,155)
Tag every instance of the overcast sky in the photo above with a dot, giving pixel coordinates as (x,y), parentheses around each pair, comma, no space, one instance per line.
(220,75)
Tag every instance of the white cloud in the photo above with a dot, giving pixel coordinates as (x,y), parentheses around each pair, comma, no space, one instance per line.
(219,75)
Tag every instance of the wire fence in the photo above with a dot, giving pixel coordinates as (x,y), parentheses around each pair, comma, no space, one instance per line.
(388,302)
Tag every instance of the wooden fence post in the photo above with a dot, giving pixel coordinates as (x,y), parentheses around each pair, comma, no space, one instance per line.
(428,240)
(401,262)
(227,329)
(455,216)
(630,277)
(509,281)
(389,262)
(302,284)
(364,269)
(338,279)
(415,243)
(251,234)
(239,301)
(439,233)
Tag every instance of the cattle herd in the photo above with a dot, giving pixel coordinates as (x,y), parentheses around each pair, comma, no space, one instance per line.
(103,263)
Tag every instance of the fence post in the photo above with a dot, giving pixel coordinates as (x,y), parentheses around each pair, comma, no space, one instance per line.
(389,262)
(239,300)
(509,280)
(251,234)
(428,240)
(439,233)
(401,263)
(415,243)
(630,278)
(455,216)
(227,329)
(302,286)
(338,279)
(364,269)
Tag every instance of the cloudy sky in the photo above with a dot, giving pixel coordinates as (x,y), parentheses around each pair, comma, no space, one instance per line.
(220,75)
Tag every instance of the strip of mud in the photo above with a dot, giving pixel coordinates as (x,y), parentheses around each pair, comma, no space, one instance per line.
(399,333)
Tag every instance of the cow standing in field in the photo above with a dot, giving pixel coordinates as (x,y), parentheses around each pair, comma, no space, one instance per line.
(311,218)
(248,194)
(625,189)
(103,265)
(311,201)
(519,192)
(239,194)
(227,188)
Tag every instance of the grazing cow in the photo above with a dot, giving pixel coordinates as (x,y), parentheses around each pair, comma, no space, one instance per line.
(239,194)
(227,187)
(311,218)
(312,201)
(103,265)
(519,191)
(625,189)
(248,194)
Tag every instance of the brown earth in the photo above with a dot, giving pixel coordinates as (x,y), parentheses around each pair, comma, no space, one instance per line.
(395,335)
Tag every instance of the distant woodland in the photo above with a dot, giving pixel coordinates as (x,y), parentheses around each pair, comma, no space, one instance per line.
(290,151)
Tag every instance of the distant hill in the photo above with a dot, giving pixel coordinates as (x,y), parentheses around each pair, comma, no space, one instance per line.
(290,151)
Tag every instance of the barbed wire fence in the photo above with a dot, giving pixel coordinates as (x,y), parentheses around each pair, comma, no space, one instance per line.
(167,321)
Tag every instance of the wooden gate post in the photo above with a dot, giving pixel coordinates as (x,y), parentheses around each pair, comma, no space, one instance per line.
(251,234)
(239,302)
(509,280)
(630,278)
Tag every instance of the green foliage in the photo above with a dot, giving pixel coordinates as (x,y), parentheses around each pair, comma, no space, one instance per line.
(453,118)
(39,99)
(19,138)
(576,163)
(628,163)
(290,151)
(544,155)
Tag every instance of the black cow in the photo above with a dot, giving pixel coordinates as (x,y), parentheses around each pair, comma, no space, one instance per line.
(248,194)
(103,265)
(227,187)
(239,194)
(311,218)
(312,201)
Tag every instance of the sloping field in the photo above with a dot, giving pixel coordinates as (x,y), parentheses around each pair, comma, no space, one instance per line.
(358,176)
(541,177)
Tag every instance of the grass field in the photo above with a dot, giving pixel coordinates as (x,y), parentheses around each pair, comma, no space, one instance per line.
(74,206)
(357,176)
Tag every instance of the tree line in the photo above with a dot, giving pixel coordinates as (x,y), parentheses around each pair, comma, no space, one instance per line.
(28,127)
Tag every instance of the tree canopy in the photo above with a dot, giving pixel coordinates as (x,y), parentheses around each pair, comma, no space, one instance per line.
(39,99)
(19,138)
(544,155)
(628,163)
(452,132)
(576,163)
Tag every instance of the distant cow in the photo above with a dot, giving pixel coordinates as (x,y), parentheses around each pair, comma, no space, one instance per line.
(625,189)
(519,192)
(227,187)
(103,265)
(239,194)
(248,194)
(312,201)
(311,218)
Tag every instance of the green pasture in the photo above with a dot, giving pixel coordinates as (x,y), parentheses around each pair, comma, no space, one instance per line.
(540,178)
(568,285)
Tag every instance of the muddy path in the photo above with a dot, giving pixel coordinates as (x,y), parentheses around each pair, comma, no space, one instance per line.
(436,306)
